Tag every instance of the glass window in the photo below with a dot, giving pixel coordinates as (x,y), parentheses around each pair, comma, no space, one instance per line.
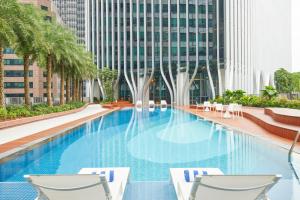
(174,8)
(17,95)
(16,73)
(174,37)
(8,51)
(16,84)
(165,8)
(45,8)
(192,8)
(148,7)
(165,22)
(182,37)
(141,8)
(182,8)
(192,22)
(192,37)
(13,62)
(182,22)
(156,21)
(183,51)
(156,8)
(173,22)
(174,51)
(201,9)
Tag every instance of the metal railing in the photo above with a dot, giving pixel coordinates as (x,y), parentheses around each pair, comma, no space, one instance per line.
(21,100)
(290,155)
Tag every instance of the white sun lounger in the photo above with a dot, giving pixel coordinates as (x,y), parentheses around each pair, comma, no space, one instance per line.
(151,106)
(211,186)
(82,186)
(163,105)
(139,106)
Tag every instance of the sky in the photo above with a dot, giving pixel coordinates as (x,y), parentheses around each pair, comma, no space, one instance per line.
(295,35)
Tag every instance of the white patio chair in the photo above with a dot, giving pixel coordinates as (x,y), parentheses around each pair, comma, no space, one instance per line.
(198,106)
(219,108)
(163,105)
(239,110)
(151,106)
(225,187)
(231,109)
(139,106)
(207,106)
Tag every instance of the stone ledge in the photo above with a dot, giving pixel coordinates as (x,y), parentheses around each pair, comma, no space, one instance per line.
(26,120)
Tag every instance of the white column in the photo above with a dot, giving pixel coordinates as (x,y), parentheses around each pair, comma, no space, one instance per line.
(227,43)
(169,52)
(138,48)
(178,98)
(113,34)
(97,34)
(145,50)
(160,52)
(232,45)
(107,34)
(125,50)
(102,34)
(131,51)
(187,75)
(118,43)
(218,49)
(236,46)
(207,53)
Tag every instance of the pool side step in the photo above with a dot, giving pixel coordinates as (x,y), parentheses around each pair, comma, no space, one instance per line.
(150,191)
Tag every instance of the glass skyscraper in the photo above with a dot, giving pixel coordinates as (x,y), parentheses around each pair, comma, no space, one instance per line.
(163,49)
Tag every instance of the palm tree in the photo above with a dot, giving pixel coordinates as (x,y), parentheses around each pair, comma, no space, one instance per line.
(27,41)
(9,12)
(52,49)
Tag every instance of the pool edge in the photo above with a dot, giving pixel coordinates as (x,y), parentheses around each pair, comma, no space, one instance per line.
(63,130)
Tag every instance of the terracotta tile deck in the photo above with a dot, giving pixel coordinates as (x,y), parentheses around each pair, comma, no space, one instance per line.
(20,142)
(245,125)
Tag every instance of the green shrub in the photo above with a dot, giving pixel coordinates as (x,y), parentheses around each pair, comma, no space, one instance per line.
(256,101)
(13,112)
(3,113)
(18,111)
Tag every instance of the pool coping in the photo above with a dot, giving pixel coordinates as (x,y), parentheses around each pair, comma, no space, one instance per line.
(281,145)
(58,131)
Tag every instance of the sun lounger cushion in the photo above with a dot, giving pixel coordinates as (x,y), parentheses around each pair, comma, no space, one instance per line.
(191,177)
(109,177)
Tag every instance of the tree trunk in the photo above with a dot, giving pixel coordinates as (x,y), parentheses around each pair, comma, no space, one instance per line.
(73,89)
(26,79)
(80,91)
(62,85)
(2,100)
(68,89)
(49,80)
(77,90)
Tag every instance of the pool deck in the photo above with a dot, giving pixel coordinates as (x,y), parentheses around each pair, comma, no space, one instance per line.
(19,137)
(249,126)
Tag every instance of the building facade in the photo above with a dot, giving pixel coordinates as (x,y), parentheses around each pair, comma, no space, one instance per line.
(14,70)
(188,50)
(72,13)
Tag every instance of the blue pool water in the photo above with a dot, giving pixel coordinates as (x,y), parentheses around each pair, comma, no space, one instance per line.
(150,143)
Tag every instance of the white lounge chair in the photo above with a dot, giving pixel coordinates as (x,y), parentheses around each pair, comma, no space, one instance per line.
(207,106)
(219,108)
(151,106)
(198,106)
(163,105)
(92,186)
(139,106)
(226,187)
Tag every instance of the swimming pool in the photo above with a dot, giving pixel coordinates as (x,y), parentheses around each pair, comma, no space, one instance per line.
(150,143)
